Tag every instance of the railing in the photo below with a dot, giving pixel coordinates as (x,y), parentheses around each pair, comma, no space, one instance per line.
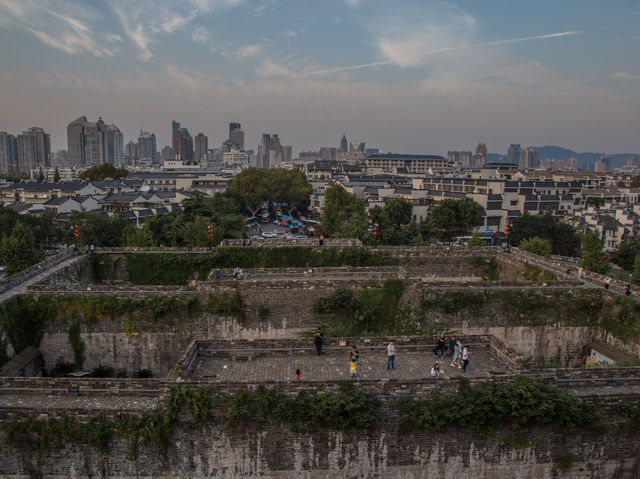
(20,277)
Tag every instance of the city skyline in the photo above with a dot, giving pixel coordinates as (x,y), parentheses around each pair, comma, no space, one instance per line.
(410,77)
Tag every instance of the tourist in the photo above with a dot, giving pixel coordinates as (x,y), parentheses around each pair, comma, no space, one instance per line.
(298,375)
(354,355)
(452,345)
(457,351)
(580,271)
(627,290)
(321,240)
(435,370)
(442,341)
(319,338)
(465,358)
(607,282)
(391,356)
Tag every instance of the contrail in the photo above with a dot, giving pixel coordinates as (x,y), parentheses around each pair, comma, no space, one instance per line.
(443,50)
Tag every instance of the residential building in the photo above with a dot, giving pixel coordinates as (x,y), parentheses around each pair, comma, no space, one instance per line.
(8,153)
(513,154)
(167,154)
(183,146)
(94,143)
(34,150)
(202,145)
(146,147)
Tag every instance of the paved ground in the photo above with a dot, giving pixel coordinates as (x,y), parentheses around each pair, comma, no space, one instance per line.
(22,287)
(335,365)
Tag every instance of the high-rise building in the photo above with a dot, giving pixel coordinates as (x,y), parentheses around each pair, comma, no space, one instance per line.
(356,146)
(270,152)
(75,141)
(202,145)
(234,127)
(183,146)
(90,143)
(34,150)
(147,147)
(8,153)
(573,163)
(175,126)
(513,154)
(344,146)
(114,145)
(633,162)
(287,153)
(528,158)
(327,153)
(167,153)
(131,153)
(603,165)
(481,149)
(236,135)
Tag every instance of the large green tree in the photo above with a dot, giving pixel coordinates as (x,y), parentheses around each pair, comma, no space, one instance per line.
(592,259)
(20,249)
(627,252)
(344,214)
(252,184)
(537,246)
(563,237)
(456,216)
(100,230)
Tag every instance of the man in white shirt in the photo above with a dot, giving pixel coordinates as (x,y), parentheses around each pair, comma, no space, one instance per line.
(391,356)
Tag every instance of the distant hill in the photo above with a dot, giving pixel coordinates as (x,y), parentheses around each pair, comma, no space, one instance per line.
(555,152)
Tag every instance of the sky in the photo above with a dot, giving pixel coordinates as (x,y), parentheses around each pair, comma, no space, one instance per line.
(405,76)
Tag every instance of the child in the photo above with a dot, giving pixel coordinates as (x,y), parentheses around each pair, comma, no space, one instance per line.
(298,376)
(354,355)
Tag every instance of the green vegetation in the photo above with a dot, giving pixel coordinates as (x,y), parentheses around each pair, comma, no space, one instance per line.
(350,408)
(534,273)
(152,429)
(626,254)
(563,237)
(537,246)
(258,186)
(475,240)
(103,172)
(371,312)
(24,318)
(20,249)
(455,217)
(158,268)
(344,214)
(522,403)
(592,259)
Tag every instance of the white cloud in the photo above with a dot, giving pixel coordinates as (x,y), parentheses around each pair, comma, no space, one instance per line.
(353,3)
(68,27)
(249,51)
(625,76)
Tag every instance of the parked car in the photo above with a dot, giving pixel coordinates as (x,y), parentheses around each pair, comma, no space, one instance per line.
(257,237)
(269,234)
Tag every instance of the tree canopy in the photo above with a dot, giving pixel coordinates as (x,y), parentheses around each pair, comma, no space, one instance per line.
(626,254)
(344,214)
(537,246)
(563,237)
(102,172)
(20,249)
(592,259)
(452,216)
(280,185)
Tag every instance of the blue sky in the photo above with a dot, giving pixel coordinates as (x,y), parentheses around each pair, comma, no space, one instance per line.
(410,76)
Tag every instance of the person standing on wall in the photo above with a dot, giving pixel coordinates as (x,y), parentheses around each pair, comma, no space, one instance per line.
(354,355)
(391,356)
(318,338)
(627,290)
(465,358)
(442,341)
(457,351)
(452,345)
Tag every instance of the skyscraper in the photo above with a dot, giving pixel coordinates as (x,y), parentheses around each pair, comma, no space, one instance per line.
(202,145)
(75,141)
(183,146)
(344,146)
(481,149)
(34,150)
(513,154)
(90,143)
(175,126)
(147,147)
(8,153)
(236,135)
(356,146)
(131,153)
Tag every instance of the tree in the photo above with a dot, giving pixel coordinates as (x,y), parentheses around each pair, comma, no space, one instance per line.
(636,270)
(535,245)
(592,259)
(102,172)
(20,250)
(56,175)
(452,216)
(139,238)
(344,214)
(476,240)
(252,184)
(100,230)
(399,210)
(627,252)
(563,237)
